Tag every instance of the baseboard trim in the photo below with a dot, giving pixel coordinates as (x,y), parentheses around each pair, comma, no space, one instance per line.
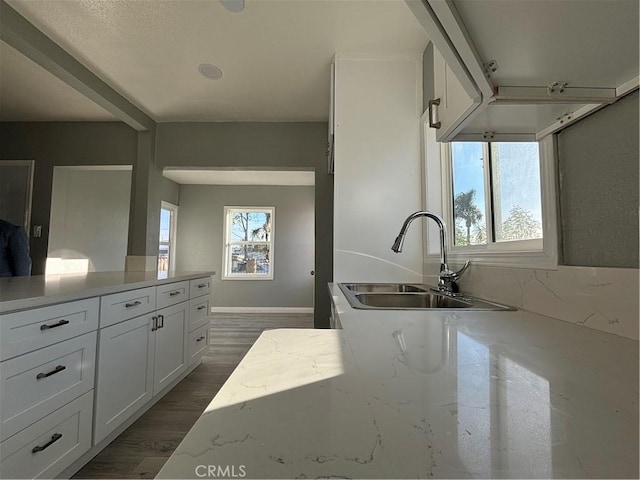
(261,309)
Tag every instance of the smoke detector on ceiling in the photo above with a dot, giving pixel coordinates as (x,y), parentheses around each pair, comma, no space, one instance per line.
(234,6)
(210,71)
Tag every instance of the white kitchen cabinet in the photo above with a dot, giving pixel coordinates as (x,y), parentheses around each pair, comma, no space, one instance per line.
(451,104)
(171,345)
(198,343)
(125,372)
(332,121)
(172,293)
(536,64)
(122,306)
(45,448)
(138,358)
(200,287)
(29,330)
(35,384)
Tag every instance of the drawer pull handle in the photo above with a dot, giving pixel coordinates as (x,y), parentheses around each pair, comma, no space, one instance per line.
(54,438)
(202,307)
(433,103)
(161,323)
(199,339)
(54,325)
(133,304)
(58,369)
(202,285)
(173,294)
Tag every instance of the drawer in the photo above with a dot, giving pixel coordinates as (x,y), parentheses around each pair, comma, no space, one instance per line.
(199,287)
(49,446)
(198,312)
(29,330)
(172,293)
(198,343)
(36,384)
(123,306)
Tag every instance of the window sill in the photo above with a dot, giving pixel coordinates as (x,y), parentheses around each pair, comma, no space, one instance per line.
(533,259)
(247,277)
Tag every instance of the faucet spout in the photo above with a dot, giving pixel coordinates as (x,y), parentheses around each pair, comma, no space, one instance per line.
(446,277)
(397,245)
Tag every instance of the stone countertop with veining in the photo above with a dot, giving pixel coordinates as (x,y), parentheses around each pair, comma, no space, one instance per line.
(414,394)
(19,293)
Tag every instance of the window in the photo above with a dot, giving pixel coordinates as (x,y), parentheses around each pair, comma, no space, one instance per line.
(248,245)
(498,201)
(166,250)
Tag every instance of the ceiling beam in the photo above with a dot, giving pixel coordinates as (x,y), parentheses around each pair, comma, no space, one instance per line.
(18,32)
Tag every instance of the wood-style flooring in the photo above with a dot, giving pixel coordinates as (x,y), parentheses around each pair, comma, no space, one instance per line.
(142,449)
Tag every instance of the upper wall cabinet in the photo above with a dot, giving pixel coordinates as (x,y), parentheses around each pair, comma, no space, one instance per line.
(537,65)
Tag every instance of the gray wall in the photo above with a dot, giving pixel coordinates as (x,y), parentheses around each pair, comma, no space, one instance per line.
(278,146)
(598,164)
(200,242)
(90,216)
(62,143)
(170,191)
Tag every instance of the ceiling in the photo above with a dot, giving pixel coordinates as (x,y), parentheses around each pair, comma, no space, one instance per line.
(240,177)
(28,92)
(275,55)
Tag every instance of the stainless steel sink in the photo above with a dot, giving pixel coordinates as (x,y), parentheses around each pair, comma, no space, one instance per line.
(400,296)
(410,300)
(383,287)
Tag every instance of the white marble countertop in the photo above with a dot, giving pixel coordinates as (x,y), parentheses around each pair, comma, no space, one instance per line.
(411,394)
(19,293)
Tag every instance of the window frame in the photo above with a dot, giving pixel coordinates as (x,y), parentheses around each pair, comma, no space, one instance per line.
(227,243)
(536,253)
(172,235)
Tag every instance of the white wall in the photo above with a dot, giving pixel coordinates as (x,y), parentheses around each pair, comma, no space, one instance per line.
(200,243)
(89,219)
(377,180)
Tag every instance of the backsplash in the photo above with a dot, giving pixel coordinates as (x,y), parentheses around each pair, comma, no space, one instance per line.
(604,299)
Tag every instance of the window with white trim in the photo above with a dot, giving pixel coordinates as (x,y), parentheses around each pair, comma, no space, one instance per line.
(167,243)
(498,201)
(248,243)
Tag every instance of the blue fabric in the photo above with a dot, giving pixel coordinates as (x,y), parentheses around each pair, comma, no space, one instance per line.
(14,251)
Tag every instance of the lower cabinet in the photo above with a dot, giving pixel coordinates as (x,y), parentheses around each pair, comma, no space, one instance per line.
(47,447)
(125,372)
(137,359)
(170,345)
(198,343)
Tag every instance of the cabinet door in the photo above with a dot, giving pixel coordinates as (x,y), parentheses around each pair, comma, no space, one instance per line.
(171,344)
(455,103)
(125,372)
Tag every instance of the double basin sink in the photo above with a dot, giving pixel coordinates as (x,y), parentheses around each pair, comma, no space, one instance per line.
(403,296)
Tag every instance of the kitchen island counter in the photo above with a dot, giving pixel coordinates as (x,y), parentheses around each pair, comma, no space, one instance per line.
(19,293)
(415,394)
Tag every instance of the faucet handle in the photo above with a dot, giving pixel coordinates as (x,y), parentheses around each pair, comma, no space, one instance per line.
(451,275)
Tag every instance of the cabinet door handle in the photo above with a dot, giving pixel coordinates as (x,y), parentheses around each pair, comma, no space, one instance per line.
(58,369)
(133,304)
(54,325)
(54,438)
(432,103)
(202,285)
(155,324)
(173,294)
(161,323)
(202,307)
(199,339)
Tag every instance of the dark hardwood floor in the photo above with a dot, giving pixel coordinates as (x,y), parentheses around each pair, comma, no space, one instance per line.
(142,449)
